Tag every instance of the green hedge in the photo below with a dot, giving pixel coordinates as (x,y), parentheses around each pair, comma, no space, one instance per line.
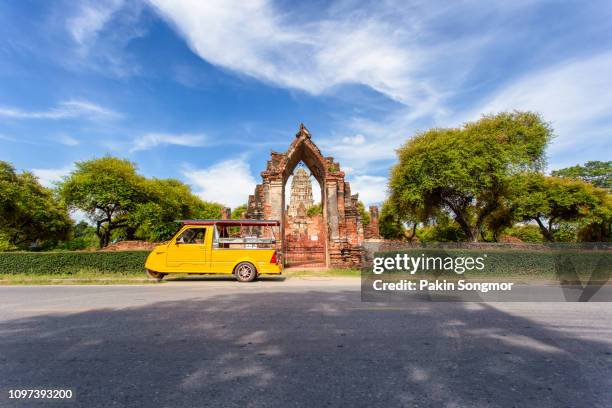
(68,263)
(522,263)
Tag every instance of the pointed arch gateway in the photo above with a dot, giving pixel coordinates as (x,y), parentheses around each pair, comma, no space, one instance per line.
(342,227)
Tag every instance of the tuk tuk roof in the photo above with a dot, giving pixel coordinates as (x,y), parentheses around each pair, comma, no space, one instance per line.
(231,222)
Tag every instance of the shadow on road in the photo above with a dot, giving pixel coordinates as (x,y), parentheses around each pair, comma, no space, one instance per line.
(304,349)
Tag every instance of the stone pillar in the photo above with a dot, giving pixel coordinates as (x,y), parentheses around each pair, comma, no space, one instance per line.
(374,214)
(226,213)
(372,229)
(332,209)
(275,198)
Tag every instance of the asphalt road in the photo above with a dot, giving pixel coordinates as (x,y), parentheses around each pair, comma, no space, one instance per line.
(300,342)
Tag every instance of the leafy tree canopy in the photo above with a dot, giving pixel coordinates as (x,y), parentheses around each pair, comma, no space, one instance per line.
(467,171)
(598,173)
(389,223)
(106,189)
(526,233)
(551,200)
(122,203)
(238,211)
(442,230)
(167,200)
(29,214)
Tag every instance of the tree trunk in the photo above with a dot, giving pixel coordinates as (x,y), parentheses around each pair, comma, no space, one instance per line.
(99,234)
(130,233)
(108,229)
(484,213)
(470,233)
(103,234)
(413,233)
(545,231)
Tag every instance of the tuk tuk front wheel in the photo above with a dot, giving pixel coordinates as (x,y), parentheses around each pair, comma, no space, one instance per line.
(158,276)
(245,272)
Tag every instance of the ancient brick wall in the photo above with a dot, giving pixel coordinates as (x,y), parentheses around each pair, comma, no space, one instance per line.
(304,240)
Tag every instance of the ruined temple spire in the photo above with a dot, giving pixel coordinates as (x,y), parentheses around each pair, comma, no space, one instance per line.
(301,193)
(303,131)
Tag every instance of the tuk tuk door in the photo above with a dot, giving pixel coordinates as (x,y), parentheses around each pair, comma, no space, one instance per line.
(188,250)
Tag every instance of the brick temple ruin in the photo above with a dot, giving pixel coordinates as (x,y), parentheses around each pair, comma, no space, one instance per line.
(330,237)
(304,228)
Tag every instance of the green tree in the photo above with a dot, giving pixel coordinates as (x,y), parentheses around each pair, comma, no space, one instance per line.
(389,224)
(550,201)
(499,220)
(315,210)
(166,200)
(598,173)
(468,171)
(238,211)
(107,190)
(123,204)
(404,217)
(526,233)
(365,214)
(83,237)
(443,229)
(598,225)
(29,214)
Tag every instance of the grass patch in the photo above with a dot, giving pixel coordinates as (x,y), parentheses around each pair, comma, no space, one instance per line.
(83,277)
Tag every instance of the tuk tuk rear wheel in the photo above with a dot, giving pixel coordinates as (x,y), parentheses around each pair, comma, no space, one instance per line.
(158,276)
(245,272)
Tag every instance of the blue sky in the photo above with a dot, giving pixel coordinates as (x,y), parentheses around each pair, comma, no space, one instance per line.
(203,90)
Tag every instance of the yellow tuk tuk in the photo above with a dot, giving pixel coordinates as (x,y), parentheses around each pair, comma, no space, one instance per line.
(245,248)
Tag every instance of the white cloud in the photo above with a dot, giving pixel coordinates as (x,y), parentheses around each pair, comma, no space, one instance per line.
(48,177)
(401,50)
(151,140)
(373,141)
(68,140)
(255,39)
(65,110)
(405,52)
(99,33)
(385,46)
(91,18)
(228,182)
(354,140)
(371,189)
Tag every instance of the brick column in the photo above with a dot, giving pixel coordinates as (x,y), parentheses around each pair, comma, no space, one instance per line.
(226,213)
(332,208)
(372,229)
